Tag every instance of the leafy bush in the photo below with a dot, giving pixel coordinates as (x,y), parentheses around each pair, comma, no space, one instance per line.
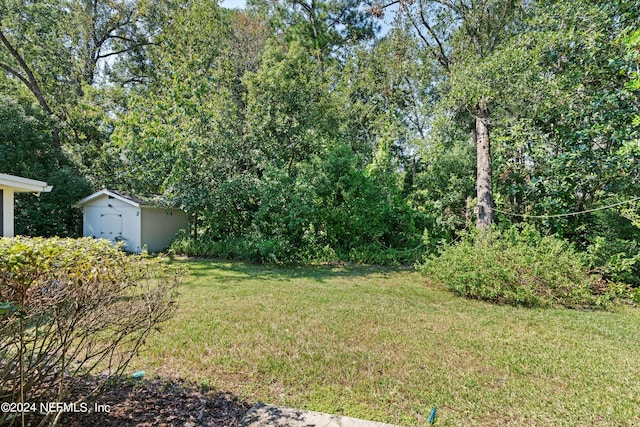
(440,191)
(616,259)
(71,307)
(209,246)
(520,268)
(328,209)
(375,254)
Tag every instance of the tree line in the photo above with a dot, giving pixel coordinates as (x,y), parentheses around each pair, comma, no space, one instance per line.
(297,130)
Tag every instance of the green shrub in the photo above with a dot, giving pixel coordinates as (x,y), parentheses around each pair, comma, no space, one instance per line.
(325,209)
(279,250)
(69,307)
(520,268)
(375,254)
(205,245)
(616,259)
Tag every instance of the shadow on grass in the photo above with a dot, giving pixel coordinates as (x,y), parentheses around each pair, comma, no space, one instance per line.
(240,270)
(160,402)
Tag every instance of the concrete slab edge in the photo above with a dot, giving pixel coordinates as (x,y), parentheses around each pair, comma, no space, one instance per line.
(264,415)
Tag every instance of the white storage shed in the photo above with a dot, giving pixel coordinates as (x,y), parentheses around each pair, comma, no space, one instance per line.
(138,224)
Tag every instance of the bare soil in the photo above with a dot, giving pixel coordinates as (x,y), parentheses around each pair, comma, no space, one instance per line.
(160,404)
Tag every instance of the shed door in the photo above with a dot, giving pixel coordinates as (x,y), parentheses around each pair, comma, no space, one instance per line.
(111,226)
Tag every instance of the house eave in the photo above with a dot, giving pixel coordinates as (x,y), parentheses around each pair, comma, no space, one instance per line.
(23,185)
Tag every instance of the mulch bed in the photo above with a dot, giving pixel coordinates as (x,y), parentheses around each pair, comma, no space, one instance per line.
(160,403)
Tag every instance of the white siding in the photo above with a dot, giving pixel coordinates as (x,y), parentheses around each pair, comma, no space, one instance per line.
(113,219)
(159,227)
(7,212)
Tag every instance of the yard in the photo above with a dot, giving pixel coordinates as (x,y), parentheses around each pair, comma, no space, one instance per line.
(388,345)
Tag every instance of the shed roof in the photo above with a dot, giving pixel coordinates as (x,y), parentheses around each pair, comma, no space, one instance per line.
(24,185)
(137,202)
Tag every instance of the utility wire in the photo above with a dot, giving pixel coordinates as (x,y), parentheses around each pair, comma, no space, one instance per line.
(570,213)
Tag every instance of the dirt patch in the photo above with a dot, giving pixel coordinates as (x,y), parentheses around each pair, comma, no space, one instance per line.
(160,403)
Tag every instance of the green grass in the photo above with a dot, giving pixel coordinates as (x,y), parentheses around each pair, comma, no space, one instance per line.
(387,345)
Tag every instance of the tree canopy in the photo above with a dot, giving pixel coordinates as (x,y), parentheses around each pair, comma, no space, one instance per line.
(298,130)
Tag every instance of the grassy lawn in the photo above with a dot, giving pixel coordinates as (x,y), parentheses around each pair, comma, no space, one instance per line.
(388,345)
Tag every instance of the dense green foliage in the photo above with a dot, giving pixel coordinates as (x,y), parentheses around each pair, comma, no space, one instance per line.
(329,209)
(292,131)
(514,267)
(68,306)
(26,150)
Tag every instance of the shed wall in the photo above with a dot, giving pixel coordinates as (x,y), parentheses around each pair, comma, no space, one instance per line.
(113,219)
(159,227)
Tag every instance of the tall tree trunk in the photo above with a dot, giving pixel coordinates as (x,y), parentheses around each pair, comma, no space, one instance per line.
(484,185)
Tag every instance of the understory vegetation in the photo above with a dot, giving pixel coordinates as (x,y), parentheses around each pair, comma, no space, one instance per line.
(337,130)
(70,308)
(491,144)
(527,269)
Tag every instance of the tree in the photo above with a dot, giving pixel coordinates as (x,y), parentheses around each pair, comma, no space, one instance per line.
(385,88)
(459,35)
(571,148)
(632,42)
(183,134)
(55,48)
(291,113)
(322,26)
(26,150)
(23,28)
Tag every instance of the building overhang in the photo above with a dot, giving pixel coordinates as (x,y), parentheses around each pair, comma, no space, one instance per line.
(23,185)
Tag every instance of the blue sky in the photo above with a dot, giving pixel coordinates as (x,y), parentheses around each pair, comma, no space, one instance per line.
(233,4)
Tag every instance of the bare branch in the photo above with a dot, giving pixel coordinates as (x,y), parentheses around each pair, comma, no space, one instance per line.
(118,52)
(15,73)
(30,80)
(337,19)
(304,6)
(442,56)
(126,39)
